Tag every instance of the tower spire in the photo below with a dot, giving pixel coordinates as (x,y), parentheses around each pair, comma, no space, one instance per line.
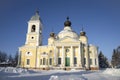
(82,29)
(67,18)
(82,33)
(52,29)
(37,11)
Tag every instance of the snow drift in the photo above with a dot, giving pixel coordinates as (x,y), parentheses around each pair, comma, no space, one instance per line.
(13,70)
(112,71)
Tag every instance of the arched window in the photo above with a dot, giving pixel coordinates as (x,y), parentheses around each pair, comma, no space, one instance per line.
(33,28)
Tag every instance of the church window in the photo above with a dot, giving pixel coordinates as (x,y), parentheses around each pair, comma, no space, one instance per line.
(44,61)
(28,53)
(75,60)
(90,61)
(50,51)
(50,62)
(59,60)
(40,61)
(44,53)
(84,60)
(32,37)
(67,50)
(28,61)
(95,62)
(33,28)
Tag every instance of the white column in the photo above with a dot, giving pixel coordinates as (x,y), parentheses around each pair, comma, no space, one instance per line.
(93,58)
(56,50)
(82,55)
(63,57)
(78,58)
(87,57)
(97,63)
(72,57)
(55,58)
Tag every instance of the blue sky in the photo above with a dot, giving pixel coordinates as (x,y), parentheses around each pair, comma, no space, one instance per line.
(100,19)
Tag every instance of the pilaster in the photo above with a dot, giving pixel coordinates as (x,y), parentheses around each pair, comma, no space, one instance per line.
(63,57)
(87,57)
(72,57)
(55,56)
(79,56)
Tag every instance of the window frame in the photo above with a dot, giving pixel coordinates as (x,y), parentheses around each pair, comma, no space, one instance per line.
(59,61)
(33,28)
(75,60)
(50,61)
(28,62)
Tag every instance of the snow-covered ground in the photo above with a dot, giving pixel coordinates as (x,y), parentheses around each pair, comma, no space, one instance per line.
(10,73)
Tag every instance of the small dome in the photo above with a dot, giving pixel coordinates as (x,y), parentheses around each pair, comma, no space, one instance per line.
(82,33)
(67,23)
(52,34)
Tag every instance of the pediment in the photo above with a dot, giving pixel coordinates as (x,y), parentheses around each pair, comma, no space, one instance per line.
(68,39)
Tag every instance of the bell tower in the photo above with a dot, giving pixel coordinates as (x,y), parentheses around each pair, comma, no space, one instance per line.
(34,33)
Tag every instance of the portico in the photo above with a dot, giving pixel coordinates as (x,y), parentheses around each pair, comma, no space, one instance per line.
(68,55)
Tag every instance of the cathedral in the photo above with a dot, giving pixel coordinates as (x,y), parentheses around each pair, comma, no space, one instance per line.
(66,50)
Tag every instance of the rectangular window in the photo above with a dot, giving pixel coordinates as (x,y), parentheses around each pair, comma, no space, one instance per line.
(95,62)
(44,61)
(50,62)
(75,60)
(90,61)
(59,60)
(28,61)
(40,61)
(84,60)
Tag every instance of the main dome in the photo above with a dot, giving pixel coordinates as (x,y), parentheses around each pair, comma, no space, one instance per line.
(67,31)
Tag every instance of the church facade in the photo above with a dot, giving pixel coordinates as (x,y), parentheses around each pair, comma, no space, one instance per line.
(65,50)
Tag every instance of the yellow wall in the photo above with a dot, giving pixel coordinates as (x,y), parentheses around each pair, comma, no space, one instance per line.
(24,56)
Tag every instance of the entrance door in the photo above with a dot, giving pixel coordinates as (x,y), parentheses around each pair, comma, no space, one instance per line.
(67,61)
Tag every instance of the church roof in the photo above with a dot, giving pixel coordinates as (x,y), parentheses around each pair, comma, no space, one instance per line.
(35,17)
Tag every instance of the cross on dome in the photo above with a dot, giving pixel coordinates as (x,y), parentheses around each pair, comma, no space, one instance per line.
(67,22)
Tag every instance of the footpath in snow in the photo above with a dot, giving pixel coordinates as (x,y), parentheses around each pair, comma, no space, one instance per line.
(10,73)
